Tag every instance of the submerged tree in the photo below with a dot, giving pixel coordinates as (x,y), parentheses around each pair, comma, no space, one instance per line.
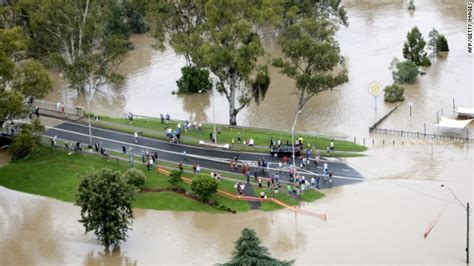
(437,43)
(105,198)
(79,38)
(313,58)
(394,93)
(249,251)
(223,37)
(403,72)
(413,48)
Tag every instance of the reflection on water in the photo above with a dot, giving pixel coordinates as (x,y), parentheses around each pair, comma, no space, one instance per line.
(376,34)
(378,221)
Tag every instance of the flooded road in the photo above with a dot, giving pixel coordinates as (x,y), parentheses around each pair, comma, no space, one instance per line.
(376,34)
(379,221)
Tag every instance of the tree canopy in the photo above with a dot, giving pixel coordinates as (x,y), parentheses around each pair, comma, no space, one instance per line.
(225,37)
(249,251)
(312,58)
(105,198)
(413,48)
(32,80)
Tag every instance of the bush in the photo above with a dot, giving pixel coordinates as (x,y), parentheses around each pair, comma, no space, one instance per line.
(443,44)
(404,72)
(204,186)
(426,62)
(135,177)
(194,80)
(394,93)
(175,178)
(23,144)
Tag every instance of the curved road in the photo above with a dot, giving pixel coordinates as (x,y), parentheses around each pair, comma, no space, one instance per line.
(207,158)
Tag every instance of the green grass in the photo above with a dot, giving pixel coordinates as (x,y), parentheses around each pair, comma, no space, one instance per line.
(55,174)
(153,128)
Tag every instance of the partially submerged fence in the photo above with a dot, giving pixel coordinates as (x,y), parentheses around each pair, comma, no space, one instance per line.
(404,133)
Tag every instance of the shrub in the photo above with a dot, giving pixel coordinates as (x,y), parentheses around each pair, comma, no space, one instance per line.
(23,144)
(426,62)
(194,79)
(394,93)
(204,186)
(135,177)
(404,72)
(175,178)
(443,44)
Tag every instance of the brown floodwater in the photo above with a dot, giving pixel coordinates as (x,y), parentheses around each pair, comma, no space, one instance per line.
(379,221)
(376,34)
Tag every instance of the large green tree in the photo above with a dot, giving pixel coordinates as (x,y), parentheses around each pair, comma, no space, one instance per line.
(249,251)
(414,48)
(312,58)
(32,80)
(105,198)
(223,37)
(11,105)
(79,38)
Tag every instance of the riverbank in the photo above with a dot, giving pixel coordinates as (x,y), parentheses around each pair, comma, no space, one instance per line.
(153,128)
(56,174)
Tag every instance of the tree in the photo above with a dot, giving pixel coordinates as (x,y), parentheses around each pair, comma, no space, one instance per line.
(135,12)
(403,72)
(204,186)
(394,93)
(31,79)
(433,43)
(193,80)
(135,177)
(223,37)
(443,44)
(11,105)
(105,199)
(24,143)
(175,178)
(11,46)
(249,251)
(413,48)
(312,58)
(76,37)
(295,10)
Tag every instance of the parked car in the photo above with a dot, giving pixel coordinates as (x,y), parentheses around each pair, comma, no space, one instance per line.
(285,150)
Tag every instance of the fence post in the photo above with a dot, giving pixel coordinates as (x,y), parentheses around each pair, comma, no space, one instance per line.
(373,142)
(441,111)
(383,142)
(394,142)
(424,129)
(454,105)
(401,132)
(363,141)
(354,140)
(467,134)
(437,117)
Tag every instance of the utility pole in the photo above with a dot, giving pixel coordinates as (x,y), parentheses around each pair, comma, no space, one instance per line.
(293,142)
(467,220)
(467,237)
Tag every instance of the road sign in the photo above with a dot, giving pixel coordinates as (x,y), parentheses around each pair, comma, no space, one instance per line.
(375,89)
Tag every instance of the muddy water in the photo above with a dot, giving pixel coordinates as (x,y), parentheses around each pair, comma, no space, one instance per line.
(379,221)
(375,35)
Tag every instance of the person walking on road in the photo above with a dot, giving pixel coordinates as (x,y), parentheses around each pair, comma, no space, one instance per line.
(124,150)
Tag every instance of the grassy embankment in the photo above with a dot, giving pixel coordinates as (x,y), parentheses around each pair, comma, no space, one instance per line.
(55,174)
(152,127)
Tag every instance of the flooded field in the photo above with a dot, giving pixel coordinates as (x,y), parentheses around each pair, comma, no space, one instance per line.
(376,34)
(379,221)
